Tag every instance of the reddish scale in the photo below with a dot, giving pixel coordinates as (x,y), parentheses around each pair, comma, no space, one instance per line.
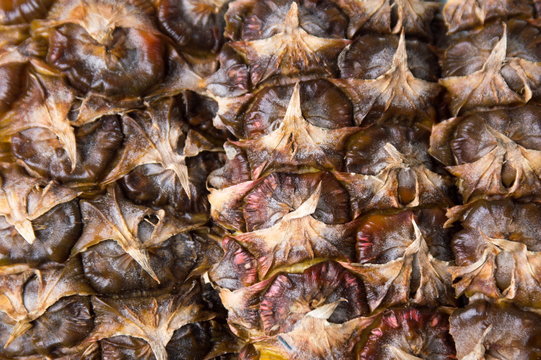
(237,268)
(291,296)
(235,171)
(384,237)
(280,193)
(410,333)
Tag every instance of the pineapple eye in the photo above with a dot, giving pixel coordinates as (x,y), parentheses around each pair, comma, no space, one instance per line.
(22,11)
(195,25)
(261,20)
(96,146)
(322,104)
(371,56)
(409,333)
(290,297)
(126,62)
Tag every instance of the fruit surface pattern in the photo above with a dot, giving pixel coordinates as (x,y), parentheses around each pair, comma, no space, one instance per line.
(270,179)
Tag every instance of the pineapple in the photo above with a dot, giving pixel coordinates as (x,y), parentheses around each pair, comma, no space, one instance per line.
(269,179)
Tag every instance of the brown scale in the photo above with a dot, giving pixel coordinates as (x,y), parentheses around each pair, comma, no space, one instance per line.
(492,153)
(496,65)
(56,232)
(497,253)
(285,37)
(485,330)
(388,166)
(373,71)
(22,11)
(40,300)
(468,14)
(196,26)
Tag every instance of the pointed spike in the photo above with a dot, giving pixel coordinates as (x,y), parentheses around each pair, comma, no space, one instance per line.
(294,112)
(19,329)
(181,171)
(70,146)
(291,21)
(160,352)
(498,54)
(26,231)
(324,312)
(308,207)
(400,58)
(141,257)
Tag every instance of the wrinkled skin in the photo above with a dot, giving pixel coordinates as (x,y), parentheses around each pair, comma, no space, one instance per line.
(492,153)
(496,331)
(56,233)
(497,252)
(97,144)
(410,333)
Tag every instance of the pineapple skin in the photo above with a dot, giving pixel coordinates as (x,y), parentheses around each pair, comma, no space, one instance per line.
(344,220)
